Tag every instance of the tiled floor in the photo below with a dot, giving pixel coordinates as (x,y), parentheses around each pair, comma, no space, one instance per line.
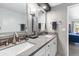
(74,49)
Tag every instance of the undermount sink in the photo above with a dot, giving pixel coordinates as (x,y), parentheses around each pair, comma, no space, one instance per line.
(15,50)
(48,36)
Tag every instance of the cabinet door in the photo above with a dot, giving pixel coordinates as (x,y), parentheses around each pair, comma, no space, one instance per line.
(48,49)
(41,52)
(53,47)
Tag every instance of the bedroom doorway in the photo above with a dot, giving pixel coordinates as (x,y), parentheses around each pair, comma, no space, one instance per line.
(76,26)
(73,29)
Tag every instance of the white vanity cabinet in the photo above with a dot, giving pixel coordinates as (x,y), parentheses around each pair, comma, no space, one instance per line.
(49,49)
(41,52)
(53,47)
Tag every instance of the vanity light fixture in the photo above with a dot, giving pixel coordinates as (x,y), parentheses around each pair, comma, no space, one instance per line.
(45,6)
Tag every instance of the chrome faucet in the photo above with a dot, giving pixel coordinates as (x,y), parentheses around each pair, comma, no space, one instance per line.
(14,38)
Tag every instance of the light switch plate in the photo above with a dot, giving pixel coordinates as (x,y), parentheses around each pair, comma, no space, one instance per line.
(63,29)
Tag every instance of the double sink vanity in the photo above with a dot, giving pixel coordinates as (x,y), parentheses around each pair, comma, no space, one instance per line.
(27,34)
(43,45)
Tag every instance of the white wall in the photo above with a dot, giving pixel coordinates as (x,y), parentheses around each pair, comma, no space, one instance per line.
(49,21)
(59,14)
(73,13)
(10,21)
(41,19)
(51,17)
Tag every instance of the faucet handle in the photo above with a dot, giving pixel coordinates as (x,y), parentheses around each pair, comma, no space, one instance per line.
(14,39)
(7,41)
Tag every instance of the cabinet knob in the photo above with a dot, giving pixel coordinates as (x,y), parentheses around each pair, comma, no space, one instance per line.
(48,45)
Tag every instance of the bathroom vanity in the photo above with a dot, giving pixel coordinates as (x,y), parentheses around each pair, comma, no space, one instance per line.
(44,45)
(48,49)
(10,39)
(27,35)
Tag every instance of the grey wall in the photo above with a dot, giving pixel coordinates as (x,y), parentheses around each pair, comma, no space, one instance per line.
(60,14)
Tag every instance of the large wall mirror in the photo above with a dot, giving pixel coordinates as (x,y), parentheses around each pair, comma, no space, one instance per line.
(36,18)
(19,17)
(13,17)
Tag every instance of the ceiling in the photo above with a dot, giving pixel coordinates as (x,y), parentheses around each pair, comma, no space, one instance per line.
(20,7)
(17,7)
(54,4)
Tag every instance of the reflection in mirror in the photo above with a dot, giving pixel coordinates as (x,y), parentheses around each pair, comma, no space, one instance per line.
(13,17)
(13,24)
(20,20)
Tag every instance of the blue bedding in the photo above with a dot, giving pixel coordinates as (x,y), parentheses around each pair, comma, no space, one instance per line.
(74,37)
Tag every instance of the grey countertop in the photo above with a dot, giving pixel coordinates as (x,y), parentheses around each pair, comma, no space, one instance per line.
(38,42)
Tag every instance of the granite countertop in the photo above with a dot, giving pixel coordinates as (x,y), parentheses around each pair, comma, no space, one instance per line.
(38,42)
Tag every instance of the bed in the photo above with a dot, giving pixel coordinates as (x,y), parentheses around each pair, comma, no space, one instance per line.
(74,37)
